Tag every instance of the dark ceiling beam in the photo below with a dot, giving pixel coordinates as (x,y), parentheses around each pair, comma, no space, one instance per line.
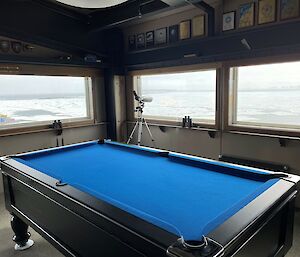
(174,3)
(113,21)
(63,11)
(154,6)
(210,13)
(103,20)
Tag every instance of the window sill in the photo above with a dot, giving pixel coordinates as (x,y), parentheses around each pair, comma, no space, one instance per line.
(291,134)
(45,128)
(175,124)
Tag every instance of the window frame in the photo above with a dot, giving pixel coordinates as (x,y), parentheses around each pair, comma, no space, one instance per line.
(229,112)
(43,126)
(168,121)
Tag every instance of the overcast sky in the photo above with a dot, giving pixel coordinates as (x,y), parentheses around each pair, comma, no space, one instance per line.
(39,85)
(271,76)
(189,81)
(260,77)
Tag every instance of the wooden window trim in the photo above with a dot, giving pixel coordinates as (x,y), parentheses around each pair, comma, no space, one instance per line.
(179,69)
(48,70)
(26,128)
(262,129)
(42,128)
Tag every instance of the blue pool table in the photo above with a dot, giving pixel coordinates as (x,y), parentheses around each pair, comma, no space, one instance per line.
(110,199)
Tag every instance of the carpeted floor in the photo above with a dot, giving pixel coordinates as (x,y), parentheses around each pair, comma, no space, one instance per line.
(42,248)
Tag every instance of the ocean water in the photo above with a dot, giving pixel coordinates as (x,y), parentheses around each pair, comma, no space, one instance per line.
(273,107)
(278,107)
(199,104)
(32,108)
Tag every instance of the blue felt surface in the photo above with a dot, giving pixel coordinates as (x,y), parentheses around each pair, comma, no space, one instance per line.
(185,200)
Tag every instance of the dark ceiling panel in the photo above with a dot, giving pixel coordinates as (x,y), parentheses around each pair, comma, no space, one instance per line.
(78,31)
(104,19)
(174,3)
(32,22)
(153,6)
(73,13)
(89,11)
(84,11)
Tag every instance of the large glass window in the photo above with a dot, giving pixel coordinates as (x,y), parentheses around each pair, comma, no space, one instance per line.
(27,100)
(266,95)
(180,94)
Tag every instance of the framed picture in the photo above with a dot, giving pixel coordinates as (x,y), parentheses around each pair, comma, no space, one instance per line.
(173,33)
(289,9)
(185,29)
(140,41)
(160,36)
(131,42)
(150,38)
(266,11)
(228,21)
(246,15)
(198,26)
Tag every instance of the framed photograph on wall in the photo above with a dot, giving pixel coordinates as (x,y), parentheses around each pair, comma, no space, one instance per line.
(140,41)
(185,29)
(198,26)
(131,42)
(266,11)
(289,9)
(150,38)
(173,33)
(228,21)
(160,36)
(246,15)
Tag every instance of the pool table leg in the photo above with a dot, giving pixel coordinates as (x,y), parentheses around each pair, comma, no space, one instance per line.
(21,237)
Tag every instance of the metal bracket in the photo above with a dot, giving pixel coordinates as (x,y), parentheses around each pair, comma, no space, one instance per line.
(282,142)
(212,134)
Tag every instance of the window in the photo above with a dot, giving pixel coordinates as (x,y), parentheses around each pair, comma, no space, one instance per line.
(28,100)
(265,95)
(180,94)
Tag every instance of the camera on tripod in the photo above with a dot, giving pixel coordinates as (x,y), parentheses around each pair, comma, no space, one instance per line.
(147,99)
(142,101)
(140,119)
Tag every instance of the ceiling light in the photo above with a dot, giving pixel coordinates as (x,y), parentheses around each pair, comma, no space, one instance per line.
(92,3)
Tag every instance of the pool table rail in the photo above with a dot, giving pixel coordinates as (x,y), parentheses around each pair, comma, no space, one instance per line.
(35,198)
